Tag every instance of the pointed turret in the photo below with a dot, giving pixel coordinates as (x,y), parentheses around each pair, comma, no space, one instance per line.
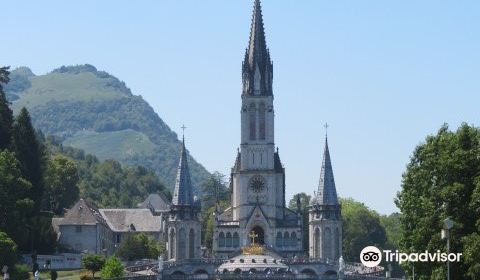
(326,192)
(257,66)
(183,193)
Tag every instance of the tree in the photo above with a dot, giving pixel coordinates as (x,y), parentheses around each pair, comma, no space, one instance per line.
(14,203)
(361,228)
(140,246)
(304,207)
(29,153)
(214,188)
(61,180)
(113,268)
(6,114)
(8,251)
(93,262)
(442,180)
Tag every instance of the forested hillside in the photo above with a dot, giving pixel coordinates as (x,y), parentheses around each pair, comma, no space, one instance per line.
(94,111)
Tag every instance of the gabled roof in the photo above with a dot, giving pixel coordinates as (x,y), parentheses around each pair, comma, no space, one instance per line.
(326,192)
(183,193)
(156,202)
(82,213)
(126,220)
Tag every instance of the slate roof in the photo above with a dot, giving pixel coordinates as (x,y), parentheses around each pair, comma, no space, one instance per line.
(183,192)
(82,213)
(257,47)
(327,192)
(157,202)
(125,220)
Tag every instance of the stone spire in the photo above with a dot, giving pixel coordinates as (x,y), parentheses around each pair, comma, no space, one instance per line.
(326,193)
(183,194)
(257,66)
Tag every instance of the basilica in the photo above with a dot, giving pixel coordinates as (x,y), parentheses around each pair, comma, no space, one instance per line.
(257,231)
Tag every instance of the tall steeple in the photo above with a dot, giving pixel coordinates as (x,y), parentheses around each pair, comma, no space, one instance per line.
(183,193)
(257,66)
(327,192)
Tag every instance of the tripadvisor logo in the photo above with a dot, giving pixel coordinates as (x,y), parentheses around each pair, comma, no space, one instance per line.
(371,256)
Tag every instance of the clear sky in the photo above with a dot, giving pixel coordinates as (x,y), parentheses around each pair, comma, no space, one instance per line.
(383,74)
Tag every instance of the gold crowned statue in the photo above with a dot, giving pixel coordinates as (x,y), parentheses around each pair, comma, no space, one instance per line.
(254,248)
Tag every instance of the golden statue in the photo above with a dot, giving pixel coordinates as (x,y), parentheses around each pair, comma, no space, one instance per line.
(254,248)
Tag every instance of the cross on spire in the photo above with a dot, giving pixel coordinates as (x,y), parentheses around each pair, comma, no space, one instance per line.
(183,131)
(326,129)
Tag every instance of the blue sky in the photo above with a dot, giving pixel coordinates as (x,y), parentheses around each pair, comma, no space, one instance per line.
(383,74)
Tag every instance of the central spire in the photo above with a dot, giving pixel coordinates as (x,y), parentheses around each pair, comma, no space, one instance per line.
(257,67)
(257,48)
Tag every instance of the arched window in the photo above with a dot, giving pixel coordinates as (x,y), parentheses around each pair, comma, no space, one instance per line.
(171,244)
(279,239)
(316,244)
(327,243)
(286,239)
(182,244)
(337,244)
(293,239)
(191,245)
(252,116)
(221,240)
(228,240)
(261,120)
(236,240)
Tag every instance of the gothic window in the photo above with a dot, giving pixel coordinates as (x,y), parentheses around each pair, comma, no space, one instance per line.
(171,244)
(337,244)
(228,240)
(327,243)
(316,243)
(182,244)
(286,239)
(236,240)
(261,120)
(191,245)
(221,240)
(252,116)
(279,239)
(293,239)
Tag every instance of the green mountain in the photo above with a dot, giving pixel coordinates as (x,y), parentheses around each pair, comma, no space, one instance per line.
(96,112)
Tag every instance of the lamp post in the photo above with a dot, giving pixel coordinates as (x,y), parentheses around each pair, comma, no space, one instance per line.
(448,224)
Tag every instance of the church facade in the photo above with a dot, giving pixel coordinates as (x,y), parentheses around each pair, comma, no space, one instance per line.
(258,211)
(258,214)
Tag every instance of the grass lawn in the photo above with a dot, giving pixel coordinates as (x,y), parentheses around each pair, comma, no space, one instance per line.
(65,275)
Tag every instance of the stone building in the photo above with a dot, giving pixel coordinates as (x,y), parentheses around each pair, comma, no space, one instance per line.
(258,177)
(86,228)
(183,222)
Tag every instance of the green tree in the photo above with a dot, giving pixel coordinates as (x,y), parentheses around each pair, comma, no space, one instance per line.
(443,180)
(6,115)
(139,246)
(361,228)
(93,262)
(8,251)
(304,205)
(61,181)
(113,268)
(215,187)
(14,204)
(29,153)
